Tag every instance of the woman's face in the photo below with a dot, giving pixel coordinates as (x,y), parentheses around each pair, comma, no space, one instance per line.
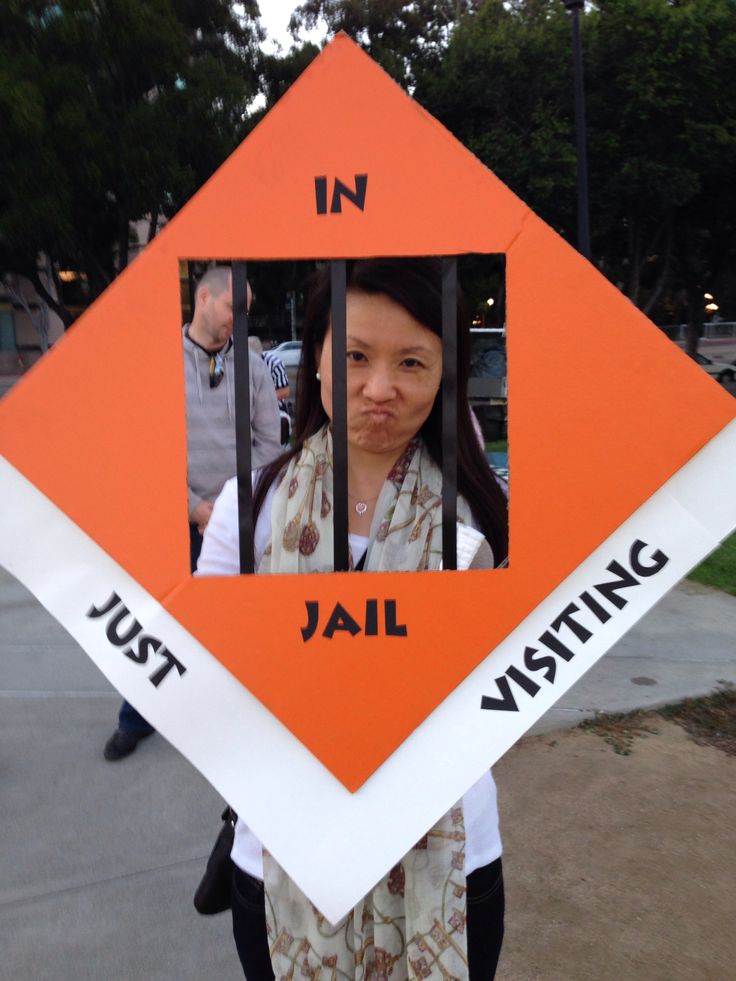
(393,374)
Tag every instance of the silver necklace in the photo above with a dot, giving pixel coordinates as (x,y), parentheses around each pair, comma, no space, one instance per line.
(361,506)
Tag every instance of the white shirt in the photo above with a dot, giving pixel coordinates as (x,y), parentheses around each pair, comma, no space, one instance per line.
(220,556)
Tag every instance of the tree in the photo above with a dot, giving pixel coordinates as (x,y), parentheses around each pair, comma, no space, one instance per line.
(660,86)
(399,35)
(503,87)
(662,117)
(281,71)
(114,110)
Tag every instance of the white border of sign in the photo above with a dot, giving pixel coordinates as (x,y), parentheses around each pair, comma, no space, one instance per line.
(337,845)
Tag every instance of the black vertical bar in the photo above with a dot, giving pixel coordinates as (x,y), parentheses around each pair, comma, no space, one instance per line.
(339,415)
(449,412)
(582,157)
(242,415)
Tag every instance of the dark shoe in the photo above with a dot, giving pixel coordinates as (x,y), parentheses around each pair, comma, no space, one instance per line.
(122,743)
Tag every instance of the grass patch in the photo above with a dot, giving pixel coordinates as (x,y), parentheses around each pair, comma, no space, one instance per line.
(710,721)
(498,446)
(719,569)
(620,729)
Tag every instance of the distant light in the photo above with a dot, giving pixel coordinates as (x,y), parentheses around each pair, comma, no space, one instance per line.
(476,321)
(711,307)
(707,296)
(68,275)
(490,301)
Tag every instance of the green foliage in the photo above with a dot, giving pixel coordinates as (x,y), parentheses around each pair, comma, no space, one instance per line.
(281,71)
(503,88)
(719,569)
(114,110)
(660,84)
(662,139)
(401,36)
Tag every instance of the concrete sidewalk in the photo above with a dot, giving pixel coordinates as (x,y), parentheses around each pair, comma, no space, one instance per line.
(99,861)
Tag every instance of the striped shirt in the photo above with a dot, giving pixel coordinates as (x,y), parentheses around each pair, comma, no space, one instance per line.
(277,369)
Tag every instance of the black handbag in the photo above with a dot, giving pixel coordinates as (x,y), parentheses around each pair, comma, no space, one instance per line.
(213,892)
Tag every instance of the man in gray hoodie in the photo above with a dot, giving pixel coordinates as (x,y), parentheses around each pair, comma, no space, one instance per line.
(211,456)
(210,396)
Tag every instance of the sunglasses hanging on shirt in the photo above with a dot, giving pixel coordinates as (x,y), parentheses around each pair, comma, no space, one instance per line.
(217,369)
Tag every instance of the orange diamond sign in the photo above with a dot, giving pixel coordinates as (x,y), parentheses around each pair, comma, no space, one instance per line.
(606,415)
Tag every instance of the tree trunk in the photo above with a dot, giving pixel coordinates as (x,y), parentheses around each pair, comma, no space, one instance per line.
(66,318)
(98,277)
(635,262)
(153,224)
(694,320)
(663,275)
(123,244)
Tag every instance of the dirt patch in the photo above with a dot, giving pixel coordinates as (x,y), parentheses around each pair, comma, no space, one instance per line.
(618,867)
(621,729)
(710,721)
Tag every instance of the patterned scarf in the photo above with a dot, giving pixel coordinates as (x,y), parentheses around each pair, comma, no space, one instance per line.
(412,924)
(406,532)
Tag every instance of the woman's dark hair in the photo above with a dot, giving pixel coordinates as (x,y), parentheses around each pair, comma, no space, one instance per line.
(416,285)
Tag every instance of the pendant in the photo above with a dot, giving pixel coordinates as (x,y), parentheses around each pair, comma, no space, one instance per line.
(361,507)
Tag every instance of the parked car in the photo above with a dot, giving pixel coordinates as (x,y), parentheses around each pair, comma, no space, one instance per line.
(487,390)
(719,370)
(290,353)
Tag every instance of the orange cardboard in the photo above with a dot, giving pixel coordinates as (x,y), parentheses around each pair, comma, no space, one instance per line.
(603,410)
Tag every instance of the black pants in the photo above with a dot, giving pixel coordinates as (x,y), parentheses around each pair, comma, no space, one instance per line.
(195,546)
(485,913)
(249,926)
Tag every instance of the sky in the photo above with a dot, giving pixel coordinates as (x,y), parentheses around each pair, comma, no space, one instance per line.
(275,16)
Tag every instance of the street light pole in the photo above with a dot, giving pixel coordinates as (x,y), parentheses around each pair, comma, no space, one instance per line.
(574,7)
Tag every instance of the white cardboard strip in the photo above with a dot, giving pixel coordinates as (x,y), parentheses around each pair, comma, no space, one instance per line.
(335,844)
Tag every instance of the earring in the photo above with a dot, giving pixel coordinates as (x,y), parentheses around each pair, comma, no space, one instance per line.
(318,376)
